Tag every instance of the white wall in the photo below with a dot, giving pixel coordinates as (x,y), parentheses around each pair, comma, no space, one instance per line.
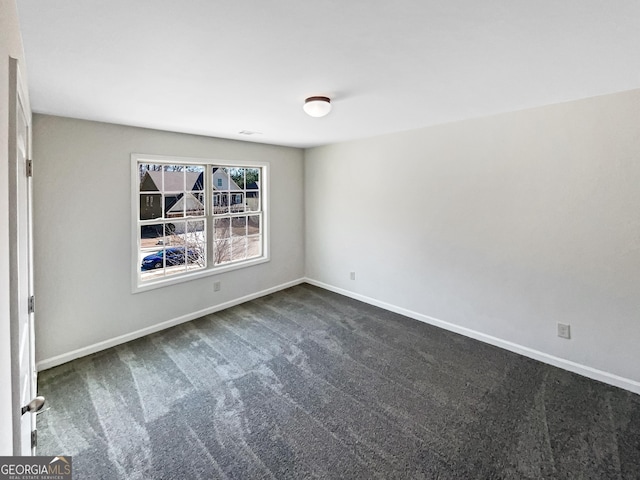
(497,227)
(500,226)
(82,215)
(10,46)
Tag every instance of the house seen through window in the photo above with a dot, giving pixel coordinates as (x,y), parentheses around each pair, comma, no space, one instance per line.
(197,217)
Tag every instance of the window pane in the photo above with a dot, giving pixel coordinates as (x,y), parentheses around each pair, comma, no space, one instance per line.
(194,204)
(150,206)
(152,265)
(252,178)
(254,246)
(195,240)
(175,260)
(194,178)
(175,254)
(253,189)
(173,179)
(239,226)
(221,197)
(170,231)
(237,202)
(174,233)
(221,203)
(220,178)
(253,200)
(150,177)
(222,251)
(174,168)
(151,235)
(173,206)
(221,228)
(254,239)
(237,178)
(151,255)
(239,248)
(253,225)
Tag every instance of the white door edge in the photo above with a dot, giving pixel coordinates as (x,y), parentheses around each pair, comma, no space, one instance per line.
(23,386)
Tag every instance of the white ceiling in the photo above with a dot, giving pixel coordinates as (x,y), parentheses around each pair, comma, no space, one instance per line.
(217,67)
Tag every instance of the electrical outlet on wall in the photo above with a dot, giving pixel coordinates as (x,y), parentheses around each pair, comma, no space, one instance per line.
(216,286)
(564,330)
(352,275)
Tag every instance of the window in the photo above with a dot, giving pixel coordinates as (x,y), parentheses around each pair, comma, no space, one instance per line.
(195,217)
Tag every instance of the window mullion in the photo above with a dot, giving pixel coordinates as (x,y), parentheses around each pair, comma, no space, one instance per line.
(208,211)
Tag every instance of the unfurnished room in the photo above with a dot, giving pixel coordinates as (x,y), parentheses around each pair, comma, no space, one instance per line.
(290,240)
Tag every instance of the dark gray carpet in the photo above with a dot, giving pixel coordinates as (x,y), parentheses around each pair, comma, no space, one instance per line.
(305,383)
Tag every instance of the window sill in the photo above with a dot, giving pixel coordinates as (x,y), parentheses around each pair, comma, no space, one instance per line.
(139,286)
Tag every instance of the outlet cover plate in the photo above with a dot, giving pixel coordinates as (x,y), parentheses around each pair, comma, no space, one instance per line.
(564,330)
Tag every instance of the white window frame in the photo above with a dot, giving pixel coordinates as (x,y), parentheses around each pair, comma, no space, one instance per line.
(138,285)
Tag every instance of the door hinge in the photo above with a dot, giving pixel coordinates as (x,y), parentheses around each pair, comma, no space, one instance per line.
(29,168)
(32,304)
(34,439)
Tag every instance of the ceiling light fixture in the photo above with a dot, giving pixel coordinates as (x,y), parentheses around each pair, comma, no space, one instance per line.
(317,106)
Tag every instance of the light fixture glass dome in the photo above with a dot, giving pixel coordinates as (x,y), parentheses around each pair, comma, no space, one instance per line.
(317,106)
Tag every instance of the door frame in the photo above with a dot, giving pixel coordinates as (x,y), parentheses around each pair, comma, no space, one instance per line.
(19,99)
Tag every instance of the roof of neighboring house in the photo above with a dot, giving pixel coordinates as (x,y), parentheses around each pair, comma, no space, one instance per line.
(173,181)
(188,203)
(219,173)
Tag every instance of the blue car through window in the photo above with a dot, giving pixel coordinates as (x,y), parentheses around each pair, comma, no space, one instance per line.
(172,256)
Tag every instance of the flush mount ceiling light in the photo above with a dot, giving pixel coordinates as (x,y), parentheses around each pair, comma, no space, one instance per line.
(317,106)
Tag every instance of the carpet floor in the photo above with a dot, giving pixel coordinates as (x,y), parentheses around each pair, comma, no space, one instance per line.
(305,383)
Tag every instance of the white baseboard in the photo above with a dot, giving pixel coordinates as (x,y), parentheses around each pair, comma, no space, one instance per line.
(593,373)
(96,347)
(586,371)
